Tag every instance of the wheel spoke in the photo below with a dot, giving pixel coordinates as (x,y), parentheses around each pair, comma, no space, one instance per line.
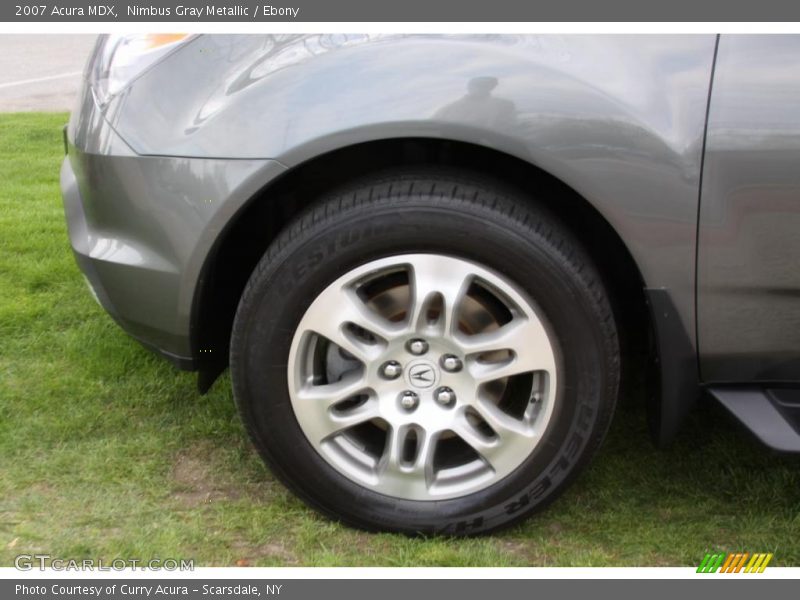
(525,339)
(437,282)
(487,447)
(502,449)
(319,402)
(329,394)
(401,476)
(326,425)
(332,317)
(505,426)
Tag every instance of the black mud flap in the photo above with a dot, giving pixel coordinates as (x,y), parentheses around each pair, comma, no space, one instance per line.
(208,374)
(679,386)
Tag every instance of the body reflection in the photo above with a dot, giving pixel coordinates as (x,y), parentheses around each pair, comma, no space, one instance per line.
(480,107)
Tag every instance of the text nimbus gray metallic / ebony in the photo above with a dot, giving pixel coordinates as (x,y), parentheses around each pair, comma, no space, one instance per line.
(211,10)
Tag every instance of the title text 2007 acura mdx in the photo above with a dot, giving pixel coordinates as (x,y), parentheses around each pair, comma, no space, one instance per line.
(429,260)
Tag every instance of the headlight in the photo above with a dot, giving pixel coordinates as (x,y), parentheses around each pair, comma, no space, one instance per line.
(119,59)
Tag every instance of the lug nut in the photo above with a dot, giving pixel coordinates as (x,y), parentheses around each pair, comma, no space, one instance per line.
(409,400)
(391,369)
(451,363)
(417,347)
(444,396)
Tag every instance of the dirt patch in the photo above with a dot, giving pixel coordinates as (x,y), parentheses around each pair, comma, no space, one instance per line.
(252,554)
(531,552)
(528,552)
(199,478)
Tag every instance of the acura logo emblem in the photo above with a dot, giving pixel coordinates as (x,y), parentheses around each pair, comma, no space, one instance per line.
(422,375)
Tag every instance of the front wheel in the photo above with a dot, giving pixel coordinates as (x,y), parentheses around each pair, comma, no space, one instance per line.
(425,354)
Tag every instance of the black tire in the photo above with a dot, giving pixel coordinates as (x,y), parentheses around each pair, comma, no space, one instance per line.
(440,212)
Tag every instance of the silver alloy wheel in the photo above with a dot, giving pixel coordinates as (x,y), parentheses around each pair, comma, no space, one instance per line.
(426,433)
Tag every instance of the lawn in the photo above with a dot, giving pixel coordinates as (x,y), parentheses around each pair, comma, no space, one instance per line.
(106,451)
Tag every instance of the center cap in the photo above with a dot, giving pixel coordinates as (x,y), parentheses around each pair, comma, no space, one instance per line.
(422,374)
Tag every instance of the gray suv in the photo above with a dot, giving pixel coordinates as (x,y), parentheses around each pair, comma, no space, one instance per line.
(431,261)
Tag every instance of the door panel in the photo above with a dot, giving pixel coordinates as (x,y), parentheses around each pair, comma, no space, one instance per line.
(749,243)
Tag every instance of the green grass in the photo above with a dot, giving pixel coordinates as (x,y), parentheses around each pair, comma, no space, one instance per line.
(106,451)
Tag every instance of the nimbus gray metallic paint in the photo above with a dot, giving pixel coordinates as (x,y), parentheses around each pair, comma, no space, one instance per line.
(143,225)
(620,119)
(749,245)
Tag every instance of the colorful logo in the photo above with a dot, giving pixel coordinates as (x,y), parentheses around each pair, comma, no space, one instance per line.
(734,562)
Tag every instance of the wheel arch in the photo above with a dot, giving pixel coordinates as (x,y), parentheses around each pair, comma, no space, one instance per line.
(242,242)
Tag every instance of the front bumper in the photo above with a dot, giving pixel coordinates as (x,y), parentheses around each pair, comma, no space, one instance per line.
(143,227)
(140,297)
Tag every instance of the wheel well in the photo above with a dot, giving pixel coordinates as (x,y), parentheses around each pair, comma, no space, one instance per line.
(244,241)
